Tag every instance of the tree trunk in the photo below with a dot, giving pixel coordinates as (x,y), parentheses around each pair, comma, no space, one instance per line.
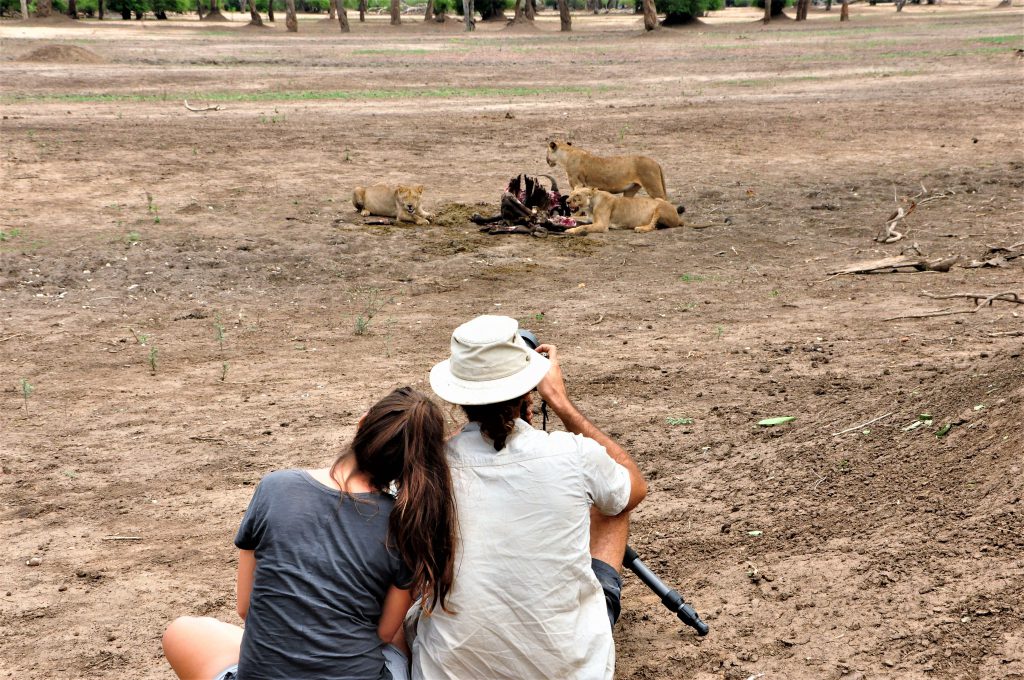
(517,13)
(332,10)
(650,16)
(254,15)
(801,9)
(44,8)
(24,9)
(565,19)
(828,5)
(467,10)
(199,9)
(343,18)
(899,5)
(362,11)
(844,14)
(101,7)
(291,22)
(396,13)
(428,13)
(768,11)
(73,9)
(270,11)
(1004,3)
(531,10)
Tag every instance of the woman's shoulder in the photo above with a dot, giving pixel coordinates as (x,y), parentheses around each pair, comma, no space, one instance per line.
(283,478)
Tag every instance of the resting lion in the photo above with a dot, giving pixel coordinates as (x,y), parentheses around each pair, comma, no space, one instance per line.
(615,174)
(391,200)
(639,213)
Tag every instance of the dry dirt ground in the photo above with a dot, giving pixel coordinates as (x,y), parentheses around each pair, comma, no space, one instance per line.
(182,292)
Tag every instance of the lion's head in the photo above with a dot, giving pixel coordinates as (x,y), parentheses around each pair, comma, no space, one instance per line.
(554,147)
(410,197)
(580,198)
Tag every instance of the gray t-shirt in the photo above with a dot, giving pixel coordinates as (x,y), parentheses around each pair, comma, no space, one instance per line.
(323,568)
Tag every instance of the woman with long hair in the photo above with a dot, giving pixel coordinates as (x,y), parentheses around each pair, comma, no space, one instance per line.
(330,561)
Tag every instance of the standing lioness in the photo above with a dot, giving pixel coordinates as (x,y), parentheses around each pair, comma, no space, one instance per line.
(614,174)
(638,213)
(399,201)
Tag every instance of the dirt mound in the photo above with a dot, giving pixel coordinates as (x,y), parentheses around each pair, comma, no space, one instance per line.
(63,54)
(458,214)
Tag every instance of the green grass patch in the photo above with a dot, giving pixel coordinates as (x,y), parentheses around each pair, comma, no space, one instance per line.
(1003,39)
(392,51)
(306,95)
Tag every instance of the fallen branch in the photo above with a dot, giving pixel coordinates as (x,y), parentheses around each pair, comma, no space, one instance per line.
(857,427)
(122,538)
(1007,334)
(891,264)
(200,109)
(889,233)
(986,301)
(11,337)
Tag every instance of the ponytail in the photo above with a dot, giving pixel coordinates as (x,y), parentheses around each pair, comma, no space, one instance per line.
(497,420)
(401,440)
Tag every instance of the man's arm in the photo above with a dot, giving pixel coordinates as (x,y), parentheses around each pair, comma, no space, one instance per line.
(552,390)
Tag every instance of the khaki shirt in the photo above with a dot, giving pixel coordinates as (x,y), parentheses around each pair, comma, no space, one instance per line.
(527,602)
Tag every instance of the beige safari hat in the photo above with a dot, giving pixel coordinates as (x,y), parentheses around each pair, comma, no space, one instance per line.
(490,363)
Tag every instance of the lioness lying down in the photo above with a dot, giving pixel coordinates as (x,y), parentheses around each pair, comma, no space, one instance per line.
(616,174)
(609,211)
(391,200)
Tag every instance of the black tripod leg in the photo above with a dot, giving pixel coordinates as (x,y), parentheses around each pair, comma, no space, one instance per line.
(672,600)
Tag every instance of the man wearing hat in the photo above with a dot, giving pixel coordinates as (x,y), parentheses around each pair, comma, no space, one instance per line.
(543,521)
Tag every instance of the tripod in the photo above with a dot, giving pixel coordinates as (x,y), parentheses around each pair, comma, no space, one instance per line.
(670,598)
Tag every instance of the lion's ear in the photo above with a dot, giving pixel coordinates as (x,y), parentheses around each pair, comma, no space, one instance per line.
(419,188)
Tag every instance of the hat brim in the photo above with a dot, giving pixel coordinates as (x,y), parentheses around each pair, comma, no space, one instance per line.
(477,392)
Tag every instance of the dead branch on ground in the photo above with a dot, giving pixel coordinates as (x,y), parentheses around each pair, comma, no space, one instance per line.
(896,262)
(989,299)
(979,302)
(200,109)
(889,233)
(997,256)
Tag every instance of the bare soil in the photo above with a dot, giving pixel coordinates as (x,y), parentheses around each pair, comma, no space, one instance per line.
(182,292)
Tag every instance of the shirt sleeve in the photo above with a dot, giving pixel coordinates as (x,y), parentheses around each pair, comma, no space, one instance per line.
(607,483)
(254,522)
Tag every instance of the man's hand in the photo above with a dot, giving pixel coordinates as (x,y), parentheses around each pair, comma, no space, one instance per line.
(552,386)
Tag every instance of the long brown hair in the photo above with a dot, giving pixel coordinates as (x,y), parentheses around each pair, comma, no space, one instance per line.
(497,420)
(401,440)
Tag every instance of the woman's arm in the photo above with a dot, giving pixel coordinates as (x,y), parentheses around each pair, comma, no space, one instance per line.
(246,574)
(396,604)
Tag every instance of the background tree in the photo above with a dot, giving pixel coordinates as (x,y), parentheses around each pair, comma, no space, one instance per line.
(254,15)
(291,22)
(467,12)
(44,8)
(801,9)
(24,9)
(650,15)
(844,13)
(343,18)
(565,18)
(428,13)
(776,8)
(678,12)
(396,13)
(332,10)
(73,9)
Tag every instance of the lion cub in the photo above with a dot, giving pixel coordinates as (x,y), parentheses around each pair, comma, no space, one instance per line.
(607,211)
(615,174)
(391,200)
